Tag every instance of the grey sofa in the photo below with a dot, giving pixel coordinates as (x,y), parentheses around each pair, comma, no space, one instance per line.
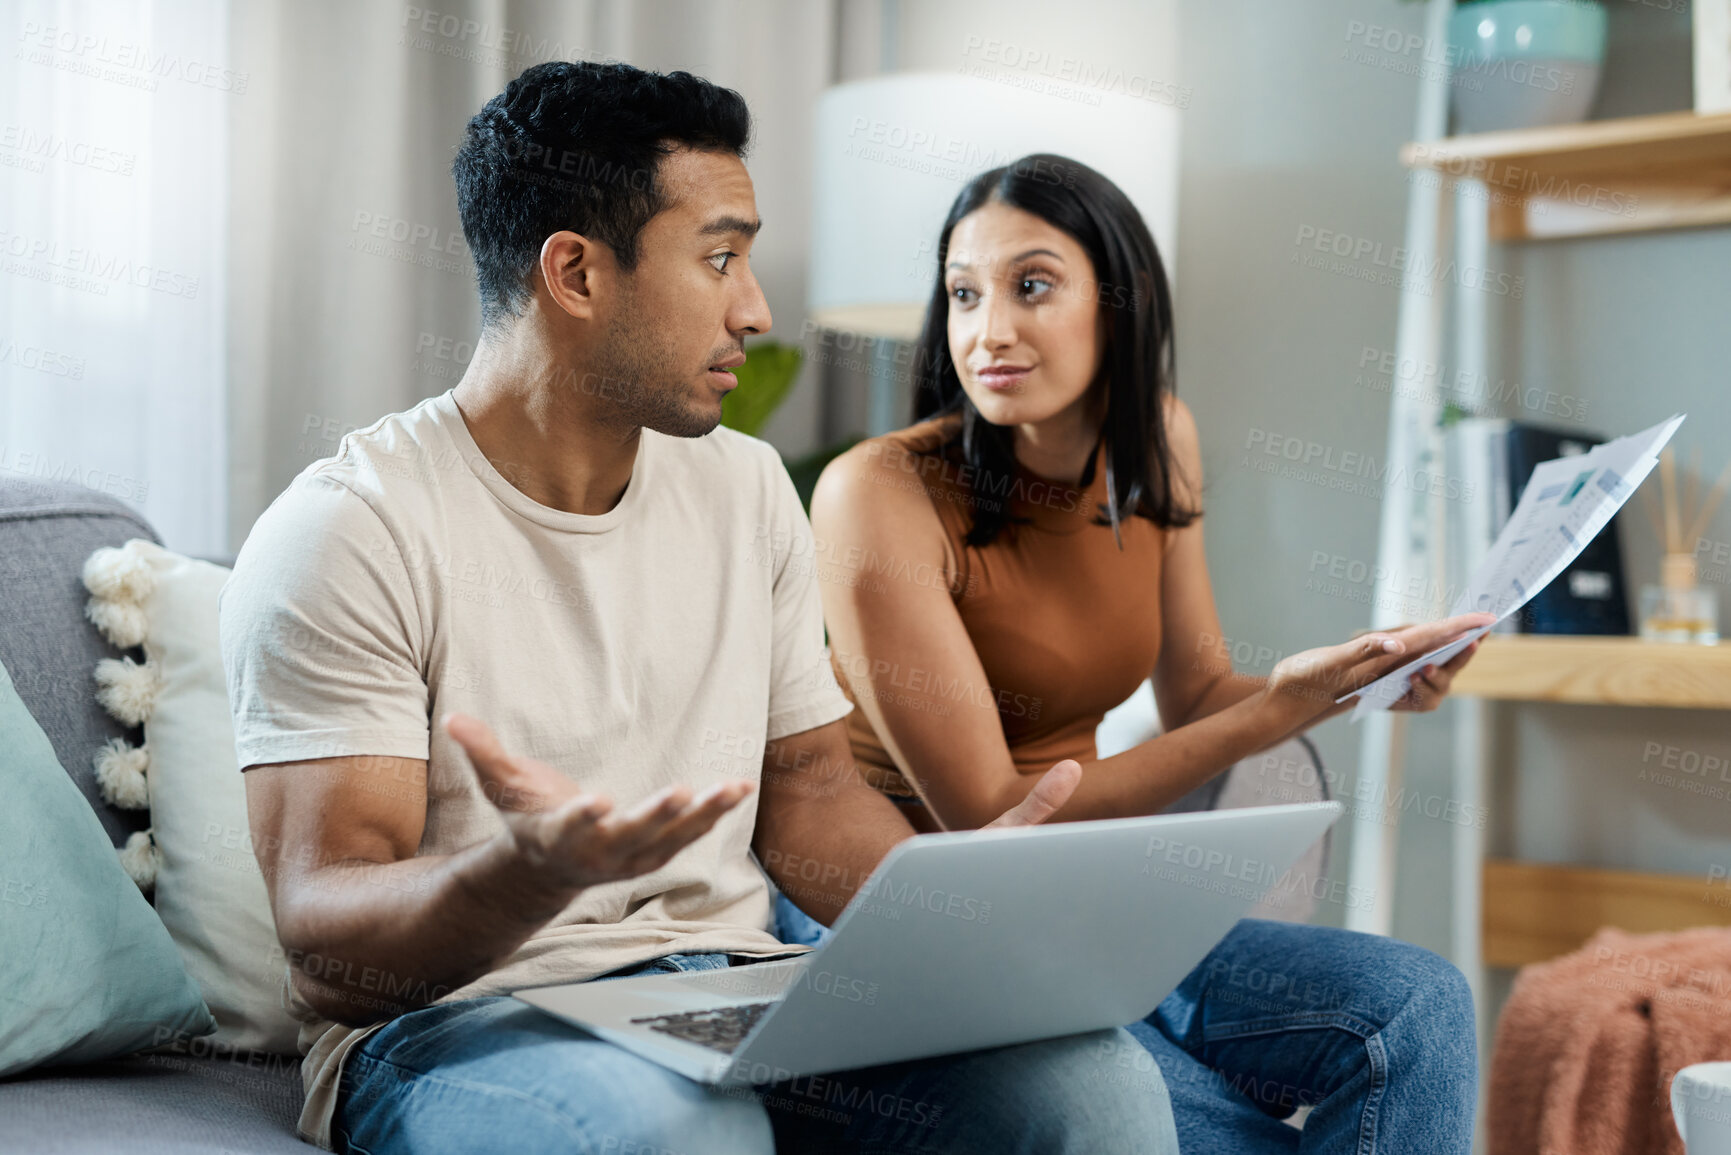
(163,1104)
(172,1104)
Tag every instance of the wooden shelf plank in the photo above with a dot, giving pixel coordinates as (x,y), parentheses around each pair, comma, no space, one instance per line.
(1608,176)
(1534,912)
(1594,146)
(1599,671)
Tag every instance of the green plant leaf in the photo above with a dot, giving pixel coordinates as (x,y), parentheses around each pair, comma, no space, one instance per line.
(768,374)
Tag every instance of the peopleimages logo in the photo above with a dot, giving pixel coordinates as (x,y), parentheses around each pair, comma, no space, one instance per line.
(1497,175)
(1367,583)
(28,463)
(911,895)
(872,139)
(1473,391)
(480,41)
(1349,469)
(1367,259)
(93,269)
(411,233)
(45,146)
(40,359)
(104,58)
(1039,70)
(843,987)
(884,678)
(1224,873)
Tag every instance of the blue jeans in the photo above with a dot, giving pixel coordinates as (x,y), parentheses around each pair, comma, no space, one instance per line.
(495,1075)
(1374,1035)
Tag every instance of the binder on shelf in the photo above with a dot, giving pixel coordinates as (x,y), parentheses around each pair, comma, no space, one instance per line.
(1496,457)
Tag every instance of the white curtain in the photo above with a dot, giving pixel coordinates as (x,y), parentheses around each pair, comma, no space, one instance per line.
(353,296)
(113,182)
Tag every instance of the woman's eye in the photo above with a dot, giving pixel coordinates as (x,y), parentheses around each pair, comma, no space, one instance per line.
(962,294)
(722,258)
(1035,286)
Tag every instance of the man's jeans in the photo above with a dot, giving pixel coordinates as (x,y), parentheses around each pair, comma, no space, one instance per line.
(494,1075)
(1375,1036)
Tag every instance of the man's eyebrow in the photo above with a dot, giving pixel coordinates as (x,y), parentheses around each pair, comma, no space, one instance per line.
(723,226)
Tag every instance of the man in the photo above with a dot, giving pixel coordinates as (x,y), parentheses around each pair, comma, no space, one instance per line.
(595,594)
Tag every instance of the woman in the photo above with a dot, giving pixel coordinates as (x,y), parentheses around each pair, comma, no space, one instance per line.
(1013,565)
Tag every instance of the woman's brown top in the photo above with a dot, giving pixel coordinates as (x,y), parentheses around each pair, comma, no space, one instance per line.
(1066,625)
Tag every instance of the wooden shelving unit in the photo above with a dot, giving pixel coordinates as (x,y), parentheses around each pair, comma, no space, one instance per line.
(1601,178)
(1610,176)
(1534,912)
(1599,671)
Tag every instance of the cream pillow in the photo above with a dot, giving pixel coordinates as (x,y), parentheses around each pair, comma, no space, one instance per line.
(198,853)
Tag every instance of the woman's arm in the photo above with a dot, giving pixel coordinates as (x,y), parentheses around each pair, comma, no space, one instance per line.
(821,829)
(1193,677)
(914,671)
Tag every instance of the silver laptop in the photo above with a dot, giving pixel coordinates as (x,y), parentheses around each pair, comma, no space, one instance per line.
(966,940)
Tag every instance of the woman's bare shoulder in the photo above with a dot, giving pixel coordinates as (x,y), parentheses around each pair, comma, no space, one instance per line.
(885,484)
(1185,445)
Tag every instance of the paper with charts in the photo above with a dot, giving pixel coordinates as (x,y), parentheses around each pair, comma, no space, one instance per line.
(1565,504)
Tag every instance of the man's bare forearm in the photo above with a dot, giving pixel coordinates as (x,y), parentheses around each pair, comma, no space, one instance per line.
(821,828)
(371,940)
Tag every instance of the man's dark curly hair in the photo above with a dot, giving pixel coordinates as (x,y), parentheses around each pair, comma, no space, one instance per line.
(576,145)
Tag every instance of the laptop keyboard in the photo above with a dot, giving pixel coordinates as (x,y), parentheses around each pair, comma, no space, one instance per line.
(718,1028)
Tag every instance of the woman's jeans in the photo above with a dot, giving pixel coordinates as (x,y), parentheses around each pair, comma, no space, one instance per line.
(1376,1037)
(495,1075)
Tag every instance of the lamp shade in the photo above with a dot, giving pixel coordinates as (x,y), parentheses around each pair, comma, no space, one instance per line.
(893,152)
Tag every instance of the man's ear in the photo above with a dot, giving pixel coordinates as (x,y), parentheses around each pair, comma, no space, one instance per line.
(574,271)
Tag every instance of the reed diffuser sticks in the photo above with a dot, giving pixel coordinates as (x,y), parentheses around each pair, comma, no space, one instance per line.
(1678,609)
(1672,524)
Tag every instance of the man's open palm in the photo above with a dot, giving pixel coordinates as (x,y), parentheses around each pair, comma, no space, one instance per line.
(574,835)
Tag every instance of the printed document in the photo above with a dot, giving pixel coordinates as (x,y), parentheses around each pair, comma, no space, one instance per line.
(1564,506)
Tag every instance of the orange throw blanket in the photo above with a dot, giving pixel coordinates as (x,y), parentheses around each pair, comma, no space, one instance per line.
(1588,1043)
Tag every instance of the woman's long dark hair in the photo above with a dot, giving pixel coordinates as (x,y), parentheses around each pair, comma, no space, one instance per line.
(1136,367)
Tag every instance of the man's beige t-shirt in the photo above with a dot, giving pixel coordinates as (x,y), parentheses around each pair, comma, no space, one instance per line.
(662,641)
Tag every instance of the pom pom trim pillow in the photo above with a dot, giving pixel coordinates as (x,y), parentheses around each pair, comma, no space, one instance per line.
(198,852)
